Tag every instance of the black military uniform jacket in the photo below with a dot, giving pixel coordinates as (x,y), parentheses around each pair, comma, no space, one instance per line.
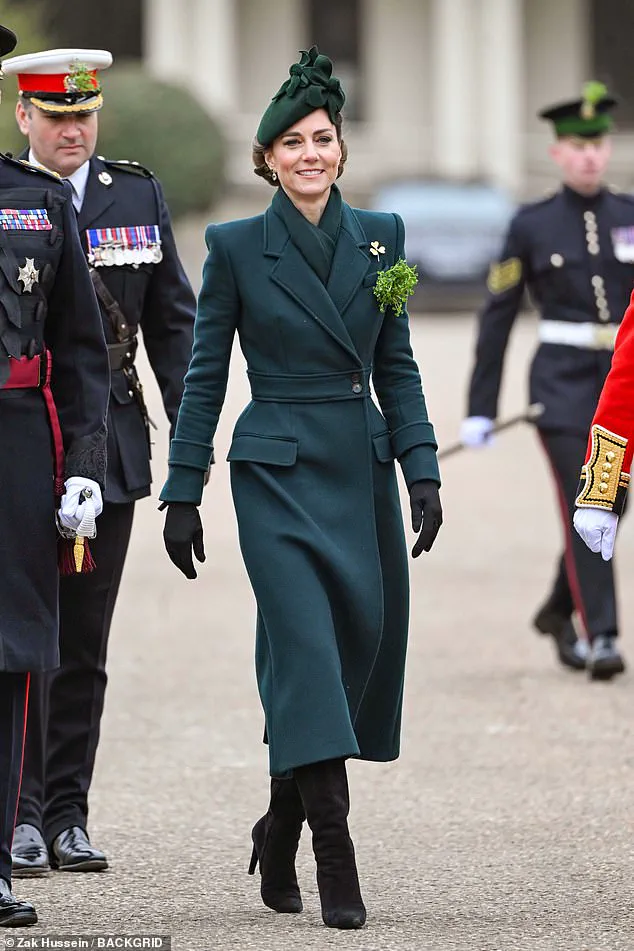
(47,302)
(576,257)
(154,296)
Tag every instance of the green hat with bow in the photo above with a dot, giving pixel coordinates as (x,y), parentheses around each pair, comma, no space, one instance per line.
(588,117)
(311,86)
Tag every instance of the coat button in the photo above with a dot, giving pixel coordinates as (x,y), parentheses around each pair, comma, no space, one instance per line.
(357,388)
(356,377)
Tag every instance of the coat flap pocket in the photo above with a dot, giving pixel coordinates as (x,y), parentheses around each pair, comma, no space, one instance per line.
(119,388)
(269,450)
(383,447)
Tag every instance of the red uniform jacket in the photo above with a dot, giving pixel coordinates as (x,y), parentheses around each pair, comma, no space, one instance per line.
(605,476)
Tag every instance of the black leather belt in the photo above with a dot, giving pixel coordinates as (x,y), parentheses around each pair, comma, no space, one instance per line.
(122,355)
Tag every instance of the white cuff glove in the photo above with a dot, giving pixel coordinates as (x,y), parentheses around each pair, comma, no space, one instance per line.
(72,510)
(475,432)
(597,528)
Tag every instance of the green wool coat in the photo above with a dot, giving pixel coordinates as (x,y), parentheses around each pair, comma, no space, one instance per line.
(312,474)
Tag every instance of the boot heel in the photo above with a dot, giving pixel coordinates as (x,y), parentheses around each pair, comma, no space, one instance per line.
(253,864)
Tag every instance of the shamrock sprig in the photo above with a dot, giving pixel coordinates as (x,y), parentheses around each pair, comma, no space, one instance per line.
(394,285)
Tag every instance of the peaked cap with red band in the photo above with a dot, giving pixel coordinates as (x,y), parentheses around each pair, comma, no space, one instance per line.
(60,81)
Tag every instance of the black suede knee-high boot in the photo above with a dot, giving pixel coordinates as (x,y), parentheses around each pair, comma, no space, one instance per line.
(275,841)
(324,791)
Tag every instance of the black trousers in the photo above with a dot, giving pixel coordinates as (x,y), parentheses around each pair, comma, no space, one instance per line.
(590,579)
(14,690)
(65,705)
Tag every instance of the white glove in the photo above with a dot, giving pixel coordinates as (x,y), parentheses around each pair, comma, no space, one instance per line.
(72,511)
(475,432)
(597,528)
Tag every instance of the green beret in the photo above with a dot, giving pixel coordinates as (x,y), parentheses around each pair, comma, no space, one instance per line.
(588,117)
(311,86)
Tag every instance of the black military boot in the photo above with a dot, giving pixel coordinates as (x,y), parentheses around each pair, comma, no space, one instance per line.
(29,855)
(275,840)
(554,613)
(571,650)
(604,660)
(14,913)
(324,791)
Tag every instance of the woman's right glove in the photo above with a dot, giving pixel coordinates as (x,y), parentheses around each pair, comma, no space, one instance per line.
(424,500)
(182,533)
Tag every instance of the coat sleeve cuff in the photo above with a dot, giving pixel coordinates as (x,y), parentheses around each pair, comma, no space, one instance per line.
(420,463)
(194,455)
(410,435)
(603,482)
(184,484)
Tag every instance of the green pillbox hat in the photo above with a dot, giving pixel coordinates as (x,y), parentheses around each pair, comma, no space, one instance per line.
(588,117)
(311,86)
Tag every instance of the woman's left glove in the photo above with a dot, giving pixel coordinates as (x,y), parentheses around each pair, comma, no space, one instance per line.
(72,507)
(183,532)
(424,499)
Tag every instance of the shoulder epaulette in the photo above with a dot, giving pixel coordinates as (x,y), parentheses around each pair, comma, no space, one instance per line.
(618,193)
(530,206)
(27,166)
(126,166)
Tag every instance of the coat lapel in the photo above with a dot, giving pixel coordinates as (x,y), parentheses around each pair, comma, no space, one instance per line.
(295,276)
(350,263)
(99,195)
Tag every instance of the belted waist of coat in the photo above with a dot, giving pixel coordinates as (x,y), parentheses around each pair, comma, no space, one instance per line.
(35,373)
(317,388)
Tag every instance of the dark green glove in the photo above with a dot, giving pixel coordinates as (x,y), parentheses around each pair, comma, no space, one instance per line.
(182,533)
(424,499)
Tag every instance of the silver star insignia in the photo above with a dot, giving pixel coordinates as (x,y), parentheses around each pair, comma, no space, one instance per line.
(29,275)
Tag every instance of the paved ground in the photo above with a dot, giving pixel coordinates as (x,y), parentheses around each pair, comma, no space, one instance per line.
(507,822)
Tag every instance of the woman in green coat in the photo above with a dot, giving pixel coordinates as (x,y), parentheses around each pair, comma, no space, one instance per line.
(312,475)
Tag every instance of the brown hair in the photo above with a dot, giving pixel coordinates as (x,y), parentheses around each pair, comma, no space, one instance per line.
(261,169)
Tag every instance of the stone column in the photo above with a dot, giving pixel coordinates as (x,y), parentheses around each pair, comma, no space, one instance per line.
(500,106)
(213,54)
(165,37)
(454,96)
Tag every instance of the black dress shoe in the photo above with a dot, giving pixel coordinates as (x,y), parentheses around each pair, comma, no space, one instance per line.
(550,620)
(604,660)
(29,855)
(14,913)
(572,651)
(72,852)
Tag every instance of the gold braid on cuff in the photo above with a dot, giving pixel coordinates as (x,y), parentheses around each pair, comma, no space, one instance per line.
(603,483)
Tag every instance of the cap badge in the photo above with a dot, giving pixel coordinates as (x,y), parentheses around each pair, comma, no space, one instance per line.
(105,178)
(80,79)
(29,275)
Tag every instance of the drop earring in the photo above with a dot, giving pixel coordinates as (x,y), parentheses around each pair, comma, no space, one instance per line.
(274,176)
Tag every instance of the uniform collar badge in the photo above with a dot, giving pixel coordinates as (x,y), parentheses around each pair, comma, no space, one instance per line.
(105,178)
(29,275)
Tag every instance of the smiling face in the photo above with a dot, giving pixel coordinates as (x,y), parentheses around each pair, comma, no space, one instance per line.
(306,157)
(62,143)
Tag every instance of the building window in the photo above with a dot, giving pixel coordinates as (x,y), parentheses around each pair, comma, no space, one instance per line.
(335,26)
(612,27)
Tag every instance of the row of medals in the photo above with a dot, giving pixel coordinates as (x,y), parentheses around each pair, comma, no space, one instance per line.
(114,255)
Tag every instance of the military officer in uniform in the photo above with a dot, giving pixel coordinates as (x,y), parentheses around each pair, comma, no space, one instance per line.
(574,251)
(54,385)
(127,237)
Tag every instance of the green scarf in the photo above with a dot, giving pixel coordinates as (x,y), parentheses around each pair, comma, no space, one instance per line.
(315,243)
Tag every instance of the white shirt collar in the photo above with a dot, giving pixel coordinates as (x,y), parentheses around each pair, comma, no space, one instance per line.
(78,180)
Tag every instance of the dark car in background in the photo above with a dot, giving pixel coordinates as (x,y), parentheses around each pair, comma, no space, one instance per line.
(453,230)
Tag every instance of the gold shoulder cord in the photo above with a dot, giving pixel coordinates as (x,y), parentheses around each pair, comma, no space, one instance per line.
(603,483)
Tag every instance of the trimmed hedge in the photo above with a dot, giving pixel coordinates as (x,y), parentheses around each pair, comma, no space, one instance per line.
(164,128)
